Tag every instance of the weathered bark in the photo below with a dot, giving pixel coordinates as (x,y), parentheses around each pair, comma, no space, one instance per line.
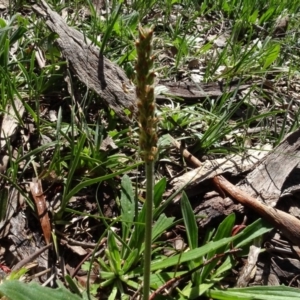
(271,179)
(92,68)
(191,91)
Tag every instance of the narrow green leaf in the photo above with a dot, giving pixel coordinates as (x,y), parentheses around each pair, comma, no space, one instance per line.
(36,151)
(267,15)
(158,279)
(113,293)
(224,230)
(256,293)
(73,166)
(72,285)
(253,18)
(129,261)
(161,225)
(127,206)
(5,55)
(189,221)
(113,251)
(272,56)
(17,34)
(135,285)
(18,290)
(137,237)
(196,291)
(191,255)
(251,232)
(254,230)
(113,19)
(159,189)
(89,182)
(107,275)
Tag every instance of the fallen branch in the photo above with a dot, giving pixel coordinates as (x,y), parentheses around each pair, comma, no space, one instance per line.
(289,225)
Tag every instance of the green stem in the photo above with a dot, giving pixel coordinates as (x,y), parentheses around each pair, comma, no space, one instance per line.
(148,229)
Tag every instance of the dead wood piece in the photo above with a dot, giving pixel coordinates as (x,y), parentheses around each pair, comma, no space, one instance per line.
(30,258)
(269,180)
(286,267)
(248,271)
(192,91)
(92,68)
(13,200)
(213,207)
(10,122)
(233,164)
(24,245)
(289,225)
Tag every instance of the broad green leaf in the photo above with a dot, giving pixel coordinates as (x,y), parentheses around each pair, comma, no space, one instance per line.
(158,279)
(252,19)
(251,232)
(137,238)
(113,293)
(161,225)
(113,251)
(267,15)
(256,293)
(129,261)
(272,56)
(18,290)
(189,221)
(228,264)
(224,230)
(103,264)
(89,182)
(159,189)
(127,207)
(196,291)
(72,285)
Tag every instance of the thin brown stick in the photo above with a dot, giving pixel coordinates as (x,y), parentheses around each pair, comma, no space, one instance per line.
(190,158)
(30,258)
(289,225)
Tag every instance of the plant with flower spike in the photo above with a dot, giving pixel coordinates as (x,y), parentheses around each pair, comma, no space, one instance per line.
(148,136)
(145,95)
